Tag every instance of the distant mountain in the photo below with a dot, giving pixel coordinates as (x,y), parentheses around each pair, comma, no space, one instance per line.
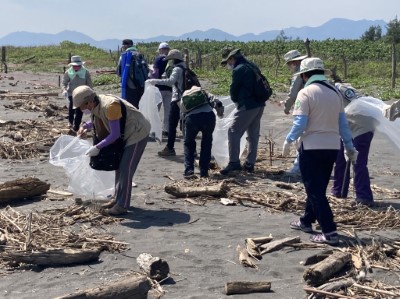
(334,29)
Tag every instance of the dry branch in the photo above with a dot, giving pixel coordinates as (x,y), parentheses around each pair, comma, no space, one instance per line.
(278,244)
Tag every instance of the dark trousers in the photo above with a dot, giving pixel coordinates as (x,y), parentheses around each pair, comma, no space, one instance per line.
(203,122)
(316,168)
(174,116)
(133,96)
(362,183)
(74,115)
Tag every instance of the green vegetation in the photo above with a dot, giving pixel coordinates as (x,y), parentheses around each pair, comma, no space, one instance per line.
(364,63)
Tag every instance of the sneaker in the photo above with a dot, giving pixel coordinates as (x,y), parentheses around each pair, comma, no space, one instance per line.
(248,167)
(364,202)
(164,134)
(167,152)
(189,174)
(331,238)
(231,167)
(300,226)
(115,210)
(204,173)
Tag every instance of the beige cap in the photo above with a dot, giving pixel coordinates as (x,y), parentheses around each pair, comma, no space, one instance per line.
(311,64)
(174,54)
(80,95)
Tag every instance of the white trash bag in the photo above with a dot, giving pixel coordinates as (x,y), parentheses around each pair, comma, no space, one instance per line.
(220,136)
(69,153)
(148,105)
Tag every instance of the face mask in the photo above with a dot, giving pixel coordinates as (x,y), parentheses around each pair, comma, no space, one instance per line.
(86,111)
(292,68)
(229,66)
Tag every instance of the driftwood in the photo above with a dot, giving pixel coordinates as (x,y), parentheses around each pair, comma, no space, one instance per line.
(154,267)
(22,188)
(319,273)
(252,249)
(262,240)
(55,257)
(316,258)
(219,190)
(244,257)
(28,94)
(326,294)
(133,287)
(337,285)
(247,287)
(278,244)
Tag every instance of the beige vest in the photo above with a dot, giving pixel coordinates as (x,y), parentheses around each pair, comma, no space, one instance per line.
(137,127)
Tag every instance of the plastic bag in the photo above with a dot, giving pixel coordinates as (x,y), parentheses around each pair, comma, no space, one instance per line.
(220,149)
(69,153)
(148,105)
(375,108)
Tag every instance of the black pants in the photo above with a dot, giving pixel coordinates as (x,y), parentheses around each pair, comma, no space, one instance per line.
(174,116)
(133,96)
(74,115)
(316,168)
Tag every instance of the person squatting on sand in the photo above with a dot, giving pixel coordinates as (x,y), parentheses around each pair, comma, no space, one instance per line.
(319,122)
(106,112)
(76,75)
(247,118)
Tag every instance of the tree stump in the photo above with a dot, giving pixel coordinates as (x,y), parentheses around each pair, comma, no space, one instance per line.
(22,188)
(154,267)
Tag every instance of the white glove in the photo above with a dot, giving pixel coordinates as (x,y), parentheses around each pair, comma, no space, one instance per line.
(65,94)
(92,151)
(151,81)
(286,149)
(351,155)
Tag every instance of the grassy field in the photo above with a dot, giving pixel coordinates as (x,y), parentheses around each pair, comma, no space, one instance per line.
(368,63)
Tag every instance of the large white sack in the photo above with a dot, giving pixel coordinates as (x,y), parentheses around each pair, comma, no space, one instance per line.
(148,105)
(69,153)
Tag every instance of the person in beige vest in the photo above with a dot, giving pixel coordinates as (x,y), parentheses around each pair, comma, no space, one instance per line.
(106,113)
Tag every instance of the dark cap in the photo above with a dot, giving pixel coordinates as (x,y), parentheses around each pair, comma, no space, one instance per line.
(227,53)
(127,42)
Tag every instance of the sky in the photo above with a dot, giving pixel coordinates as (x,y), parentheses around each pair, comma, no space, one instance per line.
(108,19)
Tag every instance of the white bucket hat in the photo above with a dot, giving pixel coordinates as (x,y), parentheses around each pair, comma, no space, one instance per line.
(311,64)
(293,55)
(163,45)
(76,60)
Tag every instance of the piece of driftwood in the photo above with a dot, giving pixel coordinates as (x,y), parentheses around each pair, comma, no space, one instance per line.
(219,190)
(244,258)
(55,257)
(22,188)
(132,287)
(247,287)
(252,249)
(337,285)
(154,267)
(316,258)
(263,240)
(325,293)
(278,244)
(322,271)
(28,94)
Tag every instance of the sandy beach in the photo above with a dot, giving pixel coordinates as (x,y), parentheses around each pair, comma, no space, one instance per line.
(198,238)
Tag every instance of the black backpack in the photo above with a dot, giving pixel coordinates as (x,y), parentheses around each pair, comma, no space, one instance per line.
(190,79)
(262,91)
(139,70)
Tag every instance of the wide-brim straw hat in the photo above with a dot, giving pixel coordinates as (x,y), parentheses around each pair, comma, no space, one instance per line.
(293,55)
(228,53)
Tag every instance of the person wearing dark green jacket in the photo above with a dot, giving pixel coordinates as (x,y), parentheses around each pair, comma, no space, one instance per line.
(248,110)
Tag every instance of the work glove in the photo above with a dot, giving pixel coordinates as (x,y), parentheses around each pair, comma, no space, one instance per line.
(92,151)
(351,155)
(151,81)
(65,93)
(286,149)
(219,108)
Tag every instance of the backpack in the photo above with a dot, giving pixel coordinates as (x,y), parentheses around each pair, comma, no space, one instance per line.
(262,91)
(139,70)
(193,98)
(190,79)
